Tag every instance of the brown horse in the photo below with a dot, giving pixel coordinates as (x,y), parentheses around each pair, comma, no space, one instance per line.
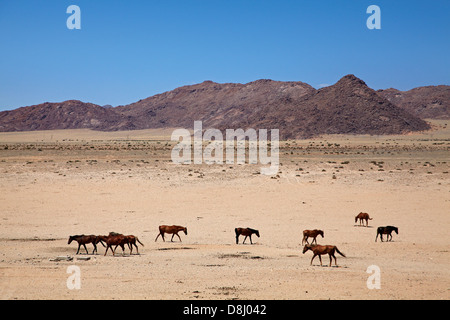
(363,216)
(83,240)
(318,250)
(386,230)
(170,229)
(247,232)
(114,240)
(130,240)
(311,233)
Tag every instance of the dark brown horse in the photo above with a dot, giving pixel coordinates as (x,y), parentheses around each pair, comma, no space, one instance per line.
(311,233)
(130,240)
(114,240)
(83,240)
(363,216)
(386,230)
(319,250)
(247,232)
(170,229)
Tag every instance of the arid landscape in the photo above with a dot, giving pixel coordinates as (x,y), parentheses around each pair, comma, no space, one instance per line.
(58,183)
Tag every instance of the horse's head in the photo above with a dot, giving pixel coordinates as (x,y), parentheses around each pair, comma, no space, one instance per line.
(306,248)
(321,233)
(185,231)
(71,238)
(253,231)
(396,230)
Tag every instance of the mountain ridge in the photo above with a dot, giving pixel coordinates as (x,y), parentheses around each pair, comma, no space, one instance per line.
(294,107)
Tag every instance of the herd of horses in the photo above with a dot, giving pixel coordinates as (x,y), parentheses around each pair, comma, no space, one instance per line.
(115,240)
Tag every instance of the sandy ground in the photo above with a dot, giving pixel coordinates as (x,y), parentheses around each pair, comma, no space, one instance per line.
(59,183)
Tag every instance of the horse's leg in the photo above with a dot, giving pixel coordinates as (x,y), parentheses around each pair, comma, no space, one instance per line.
(178,236)
(250,236)
(79,245)
(107,247)
(312,259)
(320,258)
(314,240)
(95,247)
(84,245)
(237,239)
(157,236)
(244,239)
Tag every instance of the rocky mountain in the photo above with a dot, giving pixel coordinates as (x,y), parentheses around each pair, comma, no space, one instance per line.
(295,108)
(71,114)
(430,102)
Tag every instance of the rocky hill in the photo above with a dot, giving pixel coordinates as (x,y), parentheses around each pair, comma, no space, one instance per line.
(430,102)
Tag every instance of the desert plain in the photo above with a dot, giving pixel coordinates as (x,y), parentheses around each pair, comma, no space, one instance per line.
(54,184)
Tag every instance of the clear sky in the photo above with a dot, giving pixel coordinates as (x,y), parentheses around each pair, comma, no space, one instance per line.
(127,50)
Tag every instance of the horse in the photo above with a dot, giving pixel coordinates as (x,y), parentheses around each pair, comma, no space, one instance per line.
(247,232)
(130,240)
(318,250)
(170,229)
(363,216)
(83,240)
(115,239)
(386,230)
(311,233)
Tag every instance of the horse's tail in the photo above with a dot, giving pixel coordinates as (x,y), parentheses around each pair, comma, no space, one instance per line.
(137,239)
(370,218)
(337,250)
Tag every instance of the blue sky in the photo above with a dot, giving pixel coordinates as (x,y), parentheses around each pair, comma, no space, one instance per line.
(129,50)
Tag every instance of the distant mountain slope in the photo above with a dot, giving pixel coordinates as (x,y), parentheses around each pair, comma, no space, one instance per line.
(296,108)
(217,105)
(430,102)
(71,114)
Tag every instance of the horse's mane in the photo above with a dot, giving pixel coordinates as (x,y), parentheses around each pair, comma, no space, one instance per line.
(252,230)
